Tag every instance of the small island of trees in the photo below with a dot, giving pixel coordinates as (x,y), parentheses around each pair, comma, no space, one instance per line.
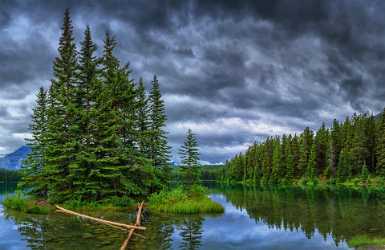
(98,137)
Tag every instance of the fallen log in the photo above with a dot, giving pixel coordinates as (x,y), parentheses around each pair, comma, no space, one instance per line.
(137,223)
(102,221)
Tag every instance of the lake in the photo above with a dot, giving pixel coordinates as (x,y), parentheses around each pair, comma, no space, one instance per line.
(254,218)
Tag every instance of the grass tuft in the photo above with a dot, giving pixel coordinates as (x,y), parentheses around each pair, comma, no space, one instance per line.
(181,201)
(365,240)
(21,203)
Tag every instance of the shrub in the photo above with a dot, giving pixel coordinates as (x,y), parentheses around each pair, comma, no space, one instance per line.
(192,200)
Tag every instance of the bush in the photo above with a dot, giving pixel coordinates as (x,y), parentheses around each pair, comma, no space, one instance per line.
(192,200)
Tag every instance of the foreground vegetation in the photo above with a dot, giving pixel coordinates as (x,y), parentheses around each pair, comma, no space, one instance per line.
(364,240)
(21,203)
(193,200)
(350,153)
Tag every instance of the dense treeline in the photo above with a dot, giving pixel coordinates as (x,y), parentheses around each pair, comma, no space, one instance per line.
(9,175)
(349,149)
(96,132)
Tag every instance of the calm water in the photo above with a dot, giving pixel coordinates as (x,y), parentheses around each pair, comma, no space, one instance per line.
(253,219)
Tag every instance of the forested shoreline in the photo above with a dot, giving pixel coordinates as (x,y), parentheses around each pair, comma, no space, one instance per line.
(97,134)
(349,151)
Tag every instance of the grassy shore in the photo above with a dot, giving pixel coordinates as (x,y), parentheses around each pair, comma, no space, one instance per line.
(364,240)
(193,200)
(26,204)
(21,203)
(371,183)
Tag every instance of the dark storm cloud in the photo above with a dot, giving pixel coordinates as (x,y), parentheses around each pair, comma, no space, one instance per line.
(232,71)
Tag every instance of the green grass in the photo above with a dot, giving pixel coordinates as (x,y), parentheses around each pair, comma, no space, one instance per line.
(364,240)
(26,204)
(181,201)
(111,204)
(21,203)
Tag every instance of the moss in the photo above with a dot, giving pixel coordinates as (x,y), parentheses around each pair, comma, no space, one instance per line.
(365,240)
(181,201)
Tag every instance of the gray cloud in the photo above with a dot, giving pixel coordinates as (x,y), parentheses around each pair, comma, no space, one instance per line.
(233,71)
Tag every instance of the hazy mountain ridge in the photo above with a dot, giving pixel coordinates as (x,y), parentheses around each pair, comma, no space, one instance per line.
(13,161)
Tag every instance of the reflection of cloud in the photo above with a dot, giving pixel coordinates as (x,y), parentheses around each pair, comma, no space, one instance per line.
(10,238)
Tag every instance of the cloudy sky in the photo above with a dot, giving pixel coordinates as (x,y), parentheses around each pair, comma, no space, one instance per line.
(232,72)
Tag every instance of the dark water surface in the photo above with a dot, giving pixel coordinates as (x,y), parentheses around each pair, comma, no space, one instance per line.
(254,219)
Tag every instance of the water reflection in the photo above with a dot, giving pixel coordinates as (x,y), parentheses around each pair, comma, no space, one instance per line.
(253,219)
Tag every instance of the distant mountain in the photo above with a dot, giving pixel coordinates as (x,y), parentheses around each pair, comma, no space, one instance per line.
(14,160)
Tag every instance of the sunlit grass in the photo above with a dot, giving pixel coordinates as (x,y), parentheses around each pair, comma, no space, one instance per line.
(364,240)
(21,203)
(180,201)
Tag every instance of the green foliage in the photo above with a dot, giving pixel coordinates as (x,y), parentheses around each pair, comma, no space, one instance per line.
(181,201)
(96,135)
(190,156)
(21,203)
(365,240)
(348,150)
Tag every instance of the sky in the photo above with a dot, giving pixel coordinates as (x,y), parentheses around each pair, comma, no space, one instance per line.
(234,72)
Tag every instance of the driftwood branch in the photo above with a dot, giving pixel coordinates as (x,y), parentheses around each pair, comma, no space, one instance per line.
(137,223)
(102,221)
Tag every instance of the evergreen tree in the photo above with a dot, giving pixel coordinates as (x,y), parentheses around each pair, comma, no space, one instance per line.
(335,147)
(305,149)
(88,88)
(159,149)
(290,164)
(381,147)
(142,120)
(311,165)
(33,166)
(276,162)
(189,153)
(61,117)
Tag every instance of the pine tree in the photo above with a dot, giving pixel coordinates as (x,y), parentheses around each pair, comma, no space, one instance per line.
(277,161)
(62,143)
(142,120)
(344,170)
(305,149)
(335,147)
(88,88)
(381,147)
(290,164)
(33,166)
(189,153)
(311,165)
(159,149)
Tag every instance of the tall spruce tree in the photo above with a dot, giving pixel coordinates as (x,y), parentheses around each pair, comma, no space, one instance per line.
(189,153)
(33,167)
(62,141)
(381,147)
(88,88)
(142,119)
(159,149)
